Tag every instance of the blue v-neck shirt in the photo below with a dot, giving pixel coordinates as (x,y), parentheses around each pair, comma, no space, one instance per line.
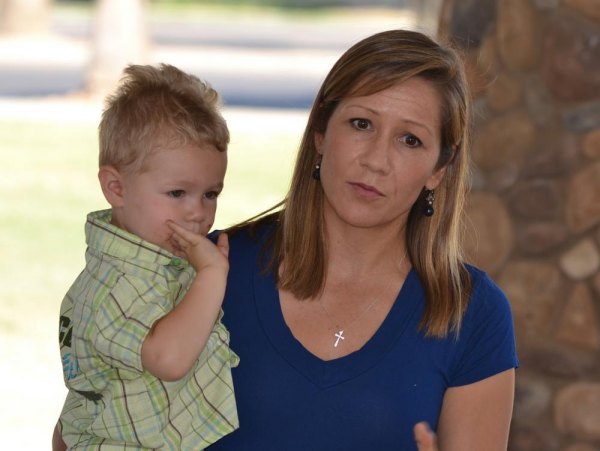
(289,399)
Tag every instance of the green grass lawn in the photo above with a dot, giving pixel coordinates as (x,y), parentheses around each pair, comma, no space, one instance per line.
(48,184)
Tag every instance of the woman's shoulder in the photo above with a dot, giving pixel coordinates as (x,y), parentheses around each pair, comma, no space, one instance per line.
(486,344)
(254,232)
(248,237)
(486,294)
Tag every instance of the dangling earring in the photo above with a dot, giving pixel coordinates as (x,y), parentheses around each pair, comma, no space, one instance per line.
(316,173)
(429,198)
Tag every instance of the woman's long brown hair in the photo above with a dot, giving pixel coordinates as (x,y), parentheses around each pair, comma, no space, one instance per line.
(372,65)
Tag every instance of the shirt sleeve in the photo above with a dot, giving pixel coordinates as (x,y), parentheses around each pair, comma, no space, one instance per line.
(487,341)
(124,318)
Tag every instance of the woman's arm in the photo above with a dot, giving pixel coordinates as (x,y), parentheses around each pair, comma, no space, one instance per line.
(477,416)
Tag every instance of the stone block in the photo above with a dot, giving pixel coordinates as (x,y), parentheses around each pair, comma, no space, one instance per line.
(504,140)
(489,239)
(471,20)
(582,118)
(539,237)
(537,199)
(536,290)
(533,397)
(579,322)
(516,34)
(503,93)
(533,438)
(581,261)
(591,144)
(576,410)
(571,59)
(589,8)
(554,359)
(583,199)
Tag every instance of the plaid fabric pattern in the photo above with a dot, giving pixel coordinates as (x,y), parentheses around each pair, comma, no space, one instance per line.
(126,286)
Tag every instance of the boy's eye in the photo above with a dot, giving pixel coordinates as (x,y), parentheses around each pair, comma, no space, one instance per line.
(360,124)
(211,195)
(176,193)
(411,140)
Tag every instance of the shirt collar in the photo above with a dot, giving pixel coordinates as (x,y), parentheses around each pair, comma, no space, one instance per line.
(113,241)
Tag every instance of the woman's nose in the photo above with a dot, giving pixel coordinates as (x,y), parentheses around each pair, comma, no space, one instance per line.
(376,156)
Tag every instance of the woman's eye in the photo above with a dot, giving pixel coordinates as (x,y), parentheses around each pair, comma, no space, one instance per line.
(211,195)
(360,124)
(411,140)
(176,193)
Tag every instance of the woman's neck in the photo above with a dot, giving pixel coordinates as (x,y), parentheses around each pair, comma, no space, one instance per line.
(354,252)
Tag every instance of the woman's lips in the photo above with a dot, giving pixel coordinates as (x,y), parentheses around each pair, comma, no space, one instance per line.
(366,190)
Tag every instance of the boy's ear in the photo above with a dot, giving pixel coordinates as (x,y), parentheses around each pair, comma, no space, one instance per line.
(111,182)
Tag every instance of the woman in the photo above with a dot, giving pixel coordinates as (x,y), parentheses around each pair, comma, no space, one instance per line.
(355,318)
(350,307)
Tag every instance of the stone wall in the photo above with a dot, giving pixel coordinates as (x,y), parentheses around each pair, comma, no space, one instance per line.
(534,66)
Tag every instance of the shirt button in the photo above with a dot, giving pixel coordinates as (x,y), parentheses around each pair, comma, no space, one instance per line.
(176,262)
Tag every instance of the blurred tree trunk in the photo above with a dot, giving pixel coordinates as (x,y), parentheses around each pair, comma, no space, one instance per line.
(428,15)
(25,16)
(120,37)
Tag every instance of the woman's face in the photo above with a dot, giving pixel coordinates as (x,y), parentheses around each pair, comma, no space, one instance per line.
(378,153)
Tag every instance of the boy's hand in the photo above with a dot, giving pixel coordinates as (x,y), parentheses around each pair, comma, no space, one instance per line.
(199,250)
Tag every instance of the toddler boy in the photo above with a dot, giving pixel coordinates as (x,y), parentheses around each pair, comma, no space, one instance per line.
(145,355)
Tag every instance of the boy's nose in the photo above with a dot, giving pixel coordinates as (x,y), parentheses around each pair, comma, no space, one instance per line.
(195,211)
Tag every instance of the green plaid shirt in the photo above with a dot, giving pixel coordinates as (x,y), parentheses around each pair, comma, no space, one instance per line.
(126,286)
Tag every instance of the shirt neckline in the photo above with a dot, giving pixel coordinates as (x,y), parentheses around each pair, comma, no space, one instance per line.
(327,373)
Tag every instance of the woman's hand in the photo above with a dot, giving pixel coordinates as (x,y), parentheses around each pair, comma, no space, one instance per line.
(425,437)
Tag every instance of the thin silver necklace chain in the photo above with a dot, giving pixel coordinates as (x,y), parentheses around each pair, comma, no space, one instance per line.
(339,331)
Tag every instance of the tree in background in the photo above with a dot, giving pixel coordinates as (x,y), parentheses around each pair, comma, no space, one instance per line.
(120,37)
(427,13)
(25,16)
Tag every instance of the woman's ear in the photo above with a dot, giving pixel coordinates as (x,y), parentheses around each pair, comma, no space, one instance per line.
(435,179)
(318,142)
(111,182)
(447,157)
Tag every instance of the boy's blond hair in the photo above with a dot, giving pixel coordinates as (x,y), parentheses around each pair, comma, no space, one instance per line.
(158,106)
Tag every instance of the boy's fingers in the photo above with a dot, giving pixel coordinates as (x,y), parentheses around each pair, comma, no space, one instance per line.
(180,239)
(182,234)
(173,224)
(177,228)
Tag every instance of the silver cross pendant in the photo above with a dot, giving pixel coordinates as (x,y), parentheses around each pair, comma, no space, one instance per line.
(339,336)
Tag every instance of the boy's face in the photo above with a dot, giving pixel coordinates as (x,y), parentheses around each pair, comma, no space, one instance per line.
(177,184)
